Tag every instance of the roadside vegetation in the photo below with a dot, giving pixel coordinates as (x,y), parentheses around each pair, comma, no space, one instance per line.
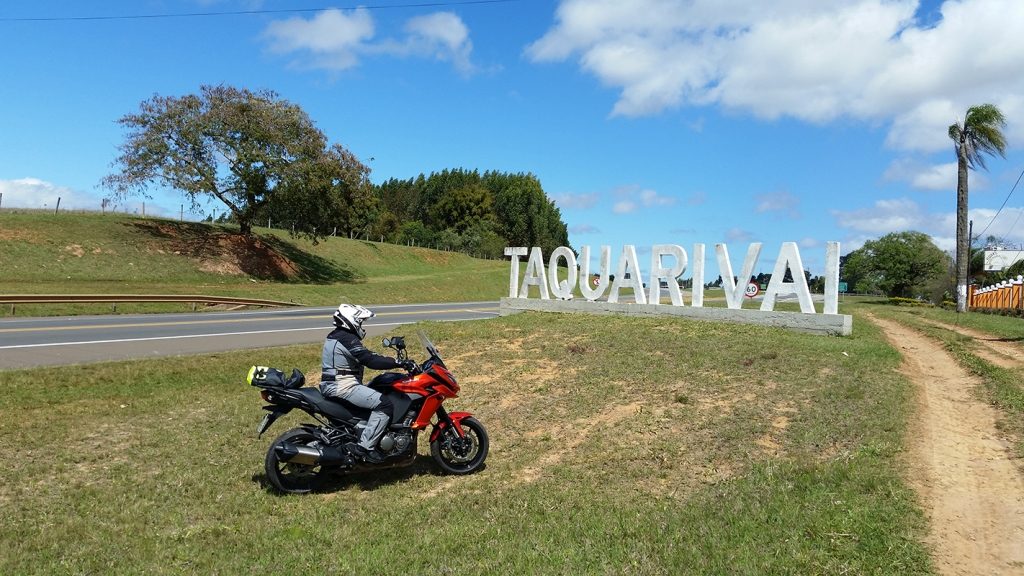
(91,253)
(619,445)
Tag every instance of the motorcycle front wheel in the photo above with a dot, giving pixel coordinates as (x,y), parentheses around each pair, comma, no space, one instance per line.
(464,455)
(291,477)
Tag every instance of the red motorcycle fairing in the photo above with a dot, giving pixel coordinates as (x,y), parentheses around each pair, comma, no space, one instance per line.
(456,418)
(436,385)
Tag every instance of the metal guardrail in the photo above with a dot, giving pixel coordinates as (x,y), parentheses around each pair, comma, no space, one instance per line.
(119,298)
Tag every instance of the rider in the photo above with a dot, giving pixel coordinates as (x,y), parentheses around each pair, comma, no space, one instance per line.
(341,378)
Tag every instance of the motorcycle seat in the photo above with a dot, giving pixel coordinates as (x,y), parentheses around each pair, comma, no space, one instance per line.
(331,407)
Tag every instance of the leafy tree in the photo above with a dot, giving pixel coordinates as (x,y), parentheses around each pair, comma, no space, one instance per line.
(461,208)
(436,187)
(249,150)
(980,134)
(482,240)
(401,197)
(485,211)
(335,194)
(901,264)
(526,217)
(415,233)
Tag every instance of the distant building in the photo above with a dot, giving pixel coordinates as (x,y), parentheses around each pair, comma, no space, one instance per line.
(998,259)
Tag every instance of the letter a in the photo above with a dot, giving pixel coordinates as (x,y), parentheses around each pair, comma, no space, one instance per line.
(535,275)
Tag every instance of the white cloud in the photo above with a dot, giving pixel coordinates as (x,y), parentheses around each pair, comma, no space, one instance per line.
(584,229)
(884,217)
(333,39)
(783,203)
(900,215)
(738,235)
(36,193)
(1007,226)
(569,200)
(815,60)
(624,207)
(651,198)
(633,196)
(337,40)
(937,177)
(443,36)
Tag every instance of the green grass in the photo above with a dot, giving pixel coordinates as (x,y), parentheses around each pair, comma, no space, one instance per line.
(618,446)
(75,253)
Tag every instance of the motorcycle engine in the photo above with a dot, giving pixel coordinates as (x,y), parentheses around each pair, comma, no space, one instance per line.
(395,442)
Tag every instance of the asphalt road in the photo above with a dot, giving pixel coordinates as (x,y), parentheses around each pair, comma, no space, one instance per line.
(51,341)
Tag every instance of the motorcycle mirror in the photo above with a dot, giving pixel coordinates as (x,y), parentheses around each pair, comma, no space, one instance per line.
(386,342)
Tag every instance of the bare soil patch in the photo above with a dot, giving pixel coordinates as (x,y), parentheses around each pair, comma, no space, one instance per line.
(961,470)
(18,235)
(221,252)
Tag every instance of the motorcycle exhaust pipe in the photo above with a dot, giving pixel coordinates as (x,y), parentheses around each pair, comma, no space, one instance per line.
(301,454)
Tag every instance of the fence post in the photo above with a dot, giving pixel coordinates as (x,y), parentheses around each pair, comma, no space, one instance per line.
(57,209)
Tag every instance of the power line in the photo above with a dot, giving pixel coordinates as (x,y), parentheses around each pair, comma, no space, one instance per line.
(448,3)
(1003,206)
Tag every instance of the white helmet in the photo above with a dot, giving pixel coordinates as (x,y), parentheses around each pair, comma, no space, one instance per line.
(351,316)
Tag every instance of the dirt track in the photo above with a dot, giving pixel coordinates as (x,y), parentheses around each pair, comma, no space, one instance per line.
(966,482)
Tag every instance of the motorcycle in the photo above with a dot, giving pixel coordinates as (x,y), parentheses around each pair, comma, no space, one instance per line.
(298,460)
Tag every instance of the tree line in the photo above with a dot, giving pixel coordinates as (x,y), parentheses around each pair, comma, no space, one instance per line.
(471,212)
(264,160)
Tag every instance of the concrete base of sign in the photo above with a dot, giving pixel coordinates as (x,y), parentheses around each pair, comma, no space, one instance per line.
(828,324)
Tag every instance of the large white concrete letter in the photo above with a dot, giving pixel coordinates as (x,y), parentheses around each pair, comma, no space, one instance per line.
(735,291)
(562,289)
(513,279)
(658,271)
(589,293)
(697,287)
(535,275)
(831,278)
(789,256)
(628,267)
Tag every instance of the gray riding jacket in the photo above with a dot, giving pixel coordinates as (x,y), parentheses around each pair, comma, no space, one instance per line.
(343,360)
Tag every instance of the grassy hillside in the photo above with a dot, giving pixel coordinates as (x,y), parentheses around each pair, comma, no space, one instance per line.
(94,253)
(704,450)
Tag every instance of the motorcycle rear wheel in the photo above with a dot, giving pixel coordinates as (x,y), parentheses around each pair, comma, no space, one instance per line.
(461,455)
(290,477)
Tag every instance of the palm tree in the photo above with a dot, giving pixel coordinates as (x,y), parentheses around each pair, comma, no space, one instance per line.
(980,133)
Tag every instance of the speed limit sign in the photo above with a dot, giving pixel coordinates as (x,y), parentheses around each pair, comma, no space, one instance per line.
(752,290)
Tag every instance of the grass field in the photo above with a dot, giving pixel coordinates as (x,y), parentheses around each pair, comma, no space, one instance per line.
(619,446)
(87,253)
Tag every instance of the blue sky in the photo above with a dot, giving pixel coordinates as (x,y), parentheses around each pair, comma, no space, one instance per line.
(647,121)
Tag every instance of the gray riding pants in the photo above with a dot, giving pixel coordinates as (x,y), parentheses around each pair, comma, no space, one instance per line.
(364,397)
